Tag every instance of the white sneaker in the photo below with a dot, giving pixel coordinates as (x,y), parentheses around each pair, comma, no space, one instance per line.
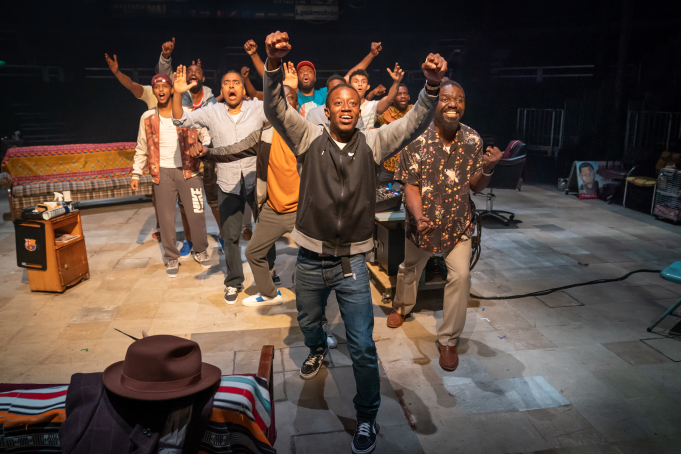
(330,338)
(259,300)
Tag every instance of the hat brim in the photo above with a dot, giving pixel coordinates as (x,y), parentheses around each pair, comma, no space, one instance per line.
(112,381)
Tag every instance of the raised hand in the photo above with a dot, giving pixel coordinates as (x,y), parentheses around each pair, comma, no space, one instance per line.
(245,71)
(196,63)
(277,45)
(397,74)
(491,158)
(113,64)
(376,48)
(290,75)
(168,48)
(250,47)
(434,68)
(180,84)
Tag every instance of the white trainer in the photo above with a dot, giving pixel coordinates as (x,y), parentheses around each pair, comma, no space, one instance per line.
(259,300)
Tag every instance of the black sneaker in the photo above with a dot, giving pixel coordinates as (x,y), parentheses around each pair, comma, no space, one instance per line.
(364,440)
(312,364)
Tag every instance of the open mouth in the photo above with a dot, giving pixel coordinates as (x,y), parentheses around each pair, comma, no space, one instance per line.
(306,79)
(346,119)
(451,114)
(193,79)
(162,96)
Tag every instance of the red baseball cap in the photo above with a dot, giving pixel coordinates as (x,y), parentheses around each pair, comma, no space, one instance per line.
(305,63)
(161,78)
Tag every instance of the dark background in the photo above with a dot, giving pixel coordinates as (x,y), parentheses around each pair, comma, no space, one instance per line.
(634,47)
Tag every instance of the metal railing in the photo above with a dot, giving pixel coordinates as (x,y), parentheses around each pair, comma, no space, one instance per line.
(539,73)
(647,131)
(46,73)
(541,129)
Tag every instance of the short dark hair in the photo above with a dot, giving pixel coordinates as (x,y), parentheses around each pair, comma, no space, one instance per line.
(343,85)
(335,77)
(584,165)
(230,72)
(358,72)
(451,83)
(403,85)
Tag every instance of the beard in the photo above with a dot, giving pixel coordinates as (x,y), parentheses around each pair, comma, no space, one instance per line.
(446,123)
(306,87)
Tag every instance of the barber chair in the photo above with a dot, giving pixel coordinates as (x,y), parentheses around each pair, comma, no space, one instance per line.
(507,175)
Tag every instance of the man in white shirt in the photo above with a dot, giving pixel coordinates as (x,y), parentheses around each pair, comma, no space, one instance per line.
(166,149)
(370,110)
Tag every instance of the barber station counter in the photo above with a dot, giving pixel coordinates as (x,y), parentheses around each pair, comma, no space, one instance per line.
(389,253)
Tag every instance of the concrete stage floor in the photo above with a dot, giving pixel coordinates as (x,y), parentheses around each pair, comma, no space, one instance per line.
(571,372)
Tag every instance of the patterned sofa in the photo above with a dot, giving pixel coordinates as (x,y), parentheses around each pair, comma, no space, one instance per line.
(89,171)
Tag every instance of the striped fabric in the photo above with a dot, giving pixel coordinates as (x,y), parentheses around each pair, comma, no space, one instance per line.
(68,163)
(26,196)
(30,420)
(241,413)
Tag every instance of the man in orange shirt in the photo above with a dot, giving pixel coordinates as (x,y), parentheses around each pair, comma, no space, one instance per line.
(276,200)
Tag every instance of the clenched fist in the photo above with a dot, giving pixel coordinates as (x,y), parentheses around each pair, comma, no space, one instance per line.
(376,48)
(434,69)
(197,150)
(277,45)
(490,159)
(168,48)
(250,47)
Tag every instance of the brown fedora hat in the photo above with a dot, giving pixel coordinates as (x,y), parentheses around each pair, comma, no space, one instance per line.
(160,368)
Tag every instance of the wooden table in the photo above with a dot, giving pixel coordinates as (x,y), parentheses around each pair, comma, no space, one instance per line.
(66,262)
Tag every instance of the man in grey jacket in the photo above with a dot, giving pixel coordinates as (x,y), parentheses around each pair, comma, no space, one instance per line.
(335,218)
(227,123)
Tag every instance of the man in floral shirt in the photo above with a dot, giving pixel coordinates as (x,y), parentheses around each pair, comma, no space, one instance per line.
(439,169)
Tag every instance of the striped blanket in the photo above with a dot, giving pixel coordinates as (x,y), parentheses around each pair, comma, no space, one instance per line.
(242,412)
(30,420)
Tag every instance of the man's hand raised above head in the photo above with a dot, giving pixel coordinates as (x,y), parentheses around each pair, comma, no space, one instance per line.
(277,47)
(397,74)
(180,84)
(113,64)
(168,48)
(196,63)
(250,47)
(434,68)
(290,75)
(245,71)
(376,48)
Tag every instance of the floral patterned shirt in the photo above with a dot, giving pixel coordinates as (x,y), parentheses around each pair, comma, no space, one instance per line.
(443,178)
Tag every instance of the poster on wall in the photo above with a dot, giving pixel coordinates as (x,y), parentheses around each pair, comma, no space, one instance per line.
(587,179)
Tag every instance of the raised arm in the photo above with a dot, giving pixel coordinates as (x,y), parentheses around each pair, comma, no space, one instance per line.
(397,75)
(388,139)
(165,62)
(250,89)
(251,49)
(378,91)
(297,132)
(364,64)
(135,88)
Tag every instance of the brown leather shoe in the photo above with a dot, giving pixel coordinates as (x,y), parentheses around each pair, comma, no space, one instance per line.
(395,320)
(449,358)
(248,234)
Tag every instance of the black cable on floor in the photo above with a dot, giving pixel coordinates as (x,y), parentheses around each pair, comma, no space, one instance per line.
(551,290)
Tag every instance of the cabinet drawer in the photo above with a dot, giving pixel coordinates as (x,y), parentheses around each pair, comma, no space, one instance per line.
(72,261)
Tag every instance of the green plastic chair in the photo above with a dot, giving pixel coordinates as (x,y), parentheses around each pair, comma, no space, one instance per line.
(672,274)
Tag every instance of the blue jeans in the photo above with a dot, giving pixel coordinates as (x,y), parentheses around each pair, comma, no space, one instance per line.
(315,278)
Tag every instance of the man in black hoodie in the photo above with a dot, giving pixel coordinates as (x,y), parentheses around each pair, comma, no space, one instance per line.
(335,218)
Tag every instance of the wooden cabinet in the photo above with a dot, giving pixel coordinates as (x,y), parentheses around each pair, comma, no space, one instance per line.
(66,262)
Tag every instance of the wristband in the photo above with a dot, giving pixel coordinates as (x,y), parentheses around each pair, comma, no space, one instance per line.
(488,174)
(432,88)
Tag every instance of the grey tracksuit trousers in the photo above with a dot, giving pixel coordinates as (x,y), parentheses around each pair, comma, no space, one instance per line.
(172,185)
